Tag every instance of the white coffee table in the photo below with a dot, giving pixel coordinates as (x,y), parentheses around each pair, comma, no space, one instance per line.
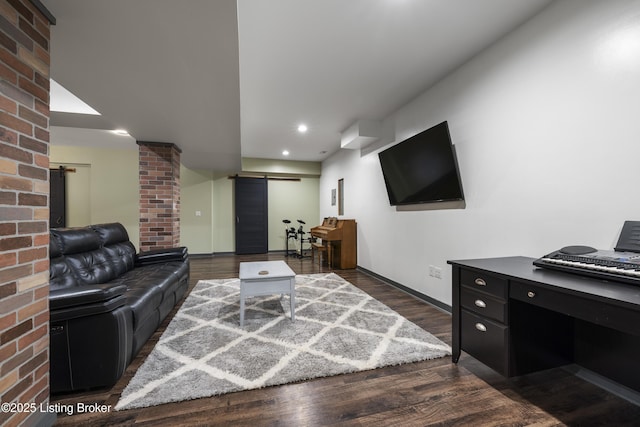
(266,278)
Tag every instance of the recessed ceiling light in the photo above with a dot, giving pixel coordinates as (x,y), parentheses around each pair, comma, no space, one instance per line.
(285,153)
(121,132)
(302,128)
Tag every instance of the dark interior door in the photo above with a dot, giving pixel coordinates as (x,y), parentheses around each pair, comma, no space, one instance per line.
(251,215)
(57,199)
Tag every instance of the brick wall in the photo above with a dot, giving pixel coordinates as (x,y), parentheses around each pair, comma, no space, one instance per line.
(24,212)
(159,170)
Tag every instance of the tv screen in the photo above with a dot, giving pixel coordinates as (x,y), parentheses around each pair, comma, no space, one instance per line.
(422,169)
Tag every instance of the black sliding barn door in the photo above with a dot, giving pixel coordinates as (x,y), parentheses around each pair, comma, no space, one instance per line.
(251,215)
(57,199)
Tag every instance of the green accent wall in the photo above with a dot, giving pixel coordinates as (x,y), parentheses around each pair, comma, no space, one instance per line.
(105,189)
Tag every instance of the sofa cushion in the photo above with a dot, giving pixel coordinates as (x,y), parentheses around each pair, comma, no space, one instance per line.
(92,267)
(144,303)
(111,233)
(143,295)
(60,275)
(166,276)
(81,249)
(122,256)
(75,240)
(88,258)
(115,242)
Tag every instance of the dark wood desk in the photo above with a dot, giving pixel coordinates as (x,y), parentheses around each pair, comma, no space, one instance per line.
(517,319)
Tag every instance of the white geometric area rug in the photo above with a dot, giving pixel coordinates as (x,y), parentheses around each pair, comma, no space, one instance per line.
(338,329)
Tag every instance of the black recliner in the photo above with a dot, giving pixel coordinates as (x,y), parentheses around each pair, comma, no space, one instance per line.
(106,301)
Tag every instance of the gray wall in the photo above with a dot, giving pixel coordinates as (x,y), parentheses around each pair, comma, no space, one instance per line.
(546,130)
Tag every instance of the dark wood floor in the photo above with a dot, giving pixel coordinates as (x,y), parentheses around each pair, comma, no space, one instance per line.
(434,392)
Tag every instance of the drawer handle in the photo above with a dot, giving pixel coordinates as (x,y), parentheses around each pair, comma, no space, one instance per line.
(531,294)
(481,327)
(480,282)
(480,303)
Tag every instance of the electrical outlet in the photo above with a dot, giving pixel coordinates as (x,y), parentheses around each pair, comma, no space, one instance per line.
(437,272)
(432,271)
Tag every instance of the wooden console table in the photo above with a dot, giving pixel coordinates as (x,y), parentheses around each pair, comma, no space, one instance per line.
(517,319)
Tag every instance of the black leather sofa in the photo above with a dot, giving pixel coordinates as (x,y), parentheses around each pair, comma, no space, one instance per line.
(105,302)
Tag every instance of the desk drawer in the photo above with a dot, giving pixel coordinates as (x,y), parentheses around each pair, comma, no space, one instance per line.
(485,340)
(483,304)
(539,296)
(611,316)
(484,282)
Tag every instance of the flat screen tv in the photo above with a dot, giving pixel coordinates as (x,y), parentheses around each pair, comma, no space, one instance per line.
(422,169)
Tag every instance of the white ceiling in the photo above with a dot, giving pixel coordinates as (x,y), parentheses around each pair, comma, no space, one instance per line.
(224,79)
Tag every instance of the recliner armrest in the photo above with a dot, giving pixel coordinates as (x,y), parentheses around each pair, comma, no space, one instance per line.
(85,310)
(84,295)
(157,256)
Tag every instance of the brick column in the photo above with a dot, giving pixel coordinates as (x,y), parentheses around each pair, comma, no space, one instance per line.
(159,195)
(24,212)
